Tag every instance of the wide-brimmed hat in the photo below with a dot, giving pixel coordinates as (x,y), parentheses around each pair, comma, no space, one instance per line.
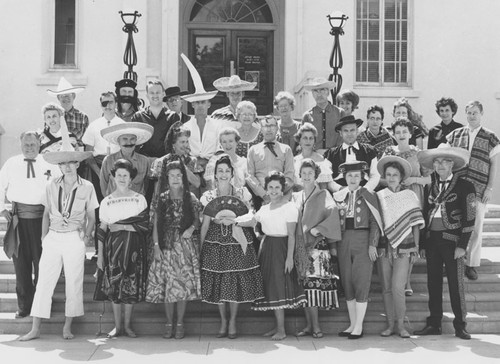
(353,166)
(233,84)
(199,94)
(350,119)
(319,82)
(394,158)
(142,131)
(67,153)
(64,87)
(125,82)
(173,91)
(459,156)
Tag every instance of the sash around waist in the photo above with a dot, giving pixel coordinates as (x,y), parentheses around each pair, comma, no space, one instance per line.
(25,211)
(121,227)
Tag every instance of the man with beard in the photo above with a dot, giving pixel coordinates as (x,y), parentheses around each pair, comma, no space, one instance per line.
(127,99)
(76,120)
(127,136)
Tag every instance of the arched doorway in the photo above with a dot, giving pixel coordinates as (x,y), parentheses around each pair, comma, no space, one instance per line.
(226,37)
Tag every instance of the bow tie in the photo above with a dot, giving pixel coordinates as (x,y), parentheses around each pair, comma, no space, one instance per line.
(442,185)
(30,173)
(350,149)
(270,146)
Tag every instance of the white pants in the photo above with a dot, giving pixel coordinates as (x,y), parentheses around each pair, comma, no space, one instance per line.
(476,239)
(60,250)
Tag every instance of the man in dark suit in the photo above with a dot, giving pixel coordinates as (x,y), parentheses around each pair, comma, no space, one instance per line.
(350,150)
(174,102)
(450,212)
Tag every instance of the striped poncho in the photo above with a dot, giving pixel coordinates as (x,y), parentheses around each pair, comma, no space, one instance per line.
(400,212)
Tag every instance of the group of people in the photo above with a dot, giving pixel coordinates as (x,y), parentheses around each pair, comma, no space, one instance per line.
(234,208)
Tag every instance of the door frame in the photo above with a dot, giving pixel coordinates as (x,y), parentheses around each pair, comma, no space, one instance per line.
(277,8)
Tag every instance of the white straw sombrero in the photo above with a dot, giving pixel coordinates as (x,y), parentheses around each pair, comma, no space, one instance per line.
(142,131)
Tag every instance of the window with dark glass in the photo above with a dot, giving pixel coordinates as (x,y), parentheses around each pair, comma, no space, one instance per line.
(64,36)
(382,52)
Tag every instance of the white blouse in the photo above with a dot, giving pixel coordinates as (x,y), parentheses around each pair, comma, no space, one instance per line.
(274,221)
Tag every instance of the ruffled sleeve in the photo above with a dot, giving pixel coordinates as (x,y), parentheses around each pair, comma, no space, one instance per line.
(206,197)
(325,174)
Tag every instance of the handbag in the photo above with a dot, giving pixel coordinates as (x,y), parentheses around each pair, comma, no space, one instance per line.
(11,237)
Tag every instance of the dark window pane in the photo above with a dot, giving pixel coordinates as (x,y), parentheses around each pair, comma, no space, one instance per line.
(389,51)
(389,72)
(404,5)
(373,51)
(404,51)
(358,51)
(404,73)
(64,45)
(374,9)
(390,30)
(358,72)
(390,9)
(252,62)
(209,59)
(404,30)
(373,72)
(373,29)
(231,11)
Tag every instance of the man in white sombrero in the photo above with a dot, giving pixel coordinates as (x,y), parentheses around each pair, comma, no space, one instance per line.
(67,225)
(204,139)
(324,115)
(235,88)
(127,136)
(76,120)
(450,213)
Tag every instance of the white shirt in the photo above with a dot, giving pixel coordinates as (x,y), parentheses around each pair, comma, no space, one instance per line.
(15,185)
(206,146)
(373,177)
(93,138)
(448,180)
(472,136)
(350,156)
(274,221)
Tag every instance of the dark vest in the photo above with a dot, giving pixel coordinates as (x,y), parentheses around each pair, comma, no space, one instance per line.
(337,156)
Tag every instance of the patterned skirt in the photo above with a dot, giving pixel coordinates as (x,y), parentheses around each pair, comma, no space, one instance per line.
(320,285)
(176,276)
(227,274)
(125,268)
(281,290)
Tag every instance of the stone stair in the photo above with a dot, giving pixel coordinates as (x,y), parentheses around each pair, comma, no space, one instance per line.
(482,296)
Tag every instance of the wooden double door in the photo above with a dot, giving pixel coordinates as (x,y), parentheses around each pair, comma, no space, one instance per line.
(247,53)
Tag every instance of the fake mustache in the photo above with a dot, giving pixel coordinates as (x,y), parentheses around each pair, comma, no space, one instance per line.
(126,99)
(128,145)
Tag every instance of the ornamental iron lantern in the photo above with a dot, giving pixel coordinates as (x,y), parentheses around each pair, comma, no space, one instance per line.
(130,55)
(337,20)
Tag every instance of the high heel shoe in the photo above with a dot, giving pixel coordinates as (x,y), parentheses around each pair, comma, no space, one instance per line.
(169,331)
(179,331)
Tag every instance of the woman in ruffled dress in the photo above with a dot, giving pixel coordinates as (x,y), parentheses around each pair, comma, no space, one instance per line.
(174,275)
(403,219)
(403,130)
(230,272)
(306,138)
(281,287)
(122,253)
(318,230)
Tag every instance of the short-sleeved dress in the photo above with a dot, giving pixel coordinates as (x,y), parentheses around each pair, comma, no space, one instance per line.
(125,252)
(243,147)
(227,273)
(281,290)
(176,276)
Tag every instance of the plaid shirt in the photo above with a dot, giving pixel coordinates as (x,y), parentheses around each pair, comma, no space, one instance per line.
(77,122)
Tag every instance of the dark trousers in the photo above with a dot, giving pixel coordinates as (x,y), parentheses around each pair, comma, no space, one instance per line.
(26,261)
(439,251)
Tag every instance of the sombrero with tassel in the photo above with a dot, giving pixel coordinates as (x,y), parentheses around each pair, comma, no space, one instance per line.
(199,94)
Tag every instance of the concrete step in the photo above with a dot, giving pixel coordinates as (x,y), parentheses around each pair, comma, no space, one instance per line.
(491,224)
(493,211)
(331,323)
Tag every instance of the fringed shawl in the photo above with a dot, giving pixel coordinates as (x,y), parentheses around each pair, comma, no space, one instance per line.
(318,211)
(400,212)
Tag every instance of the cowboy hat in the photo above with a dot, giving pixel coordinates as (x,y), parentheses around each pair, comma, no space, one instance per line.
(394,158)
(142,131)
(350,119)
(173,91)
(353,166)
(67,153)
(319,82)
(233,84)
(459,156)
(199,94)
(64,87)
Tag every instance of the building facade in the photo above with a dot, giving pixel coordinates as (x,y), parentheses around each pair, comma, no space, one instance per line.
(420,49)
